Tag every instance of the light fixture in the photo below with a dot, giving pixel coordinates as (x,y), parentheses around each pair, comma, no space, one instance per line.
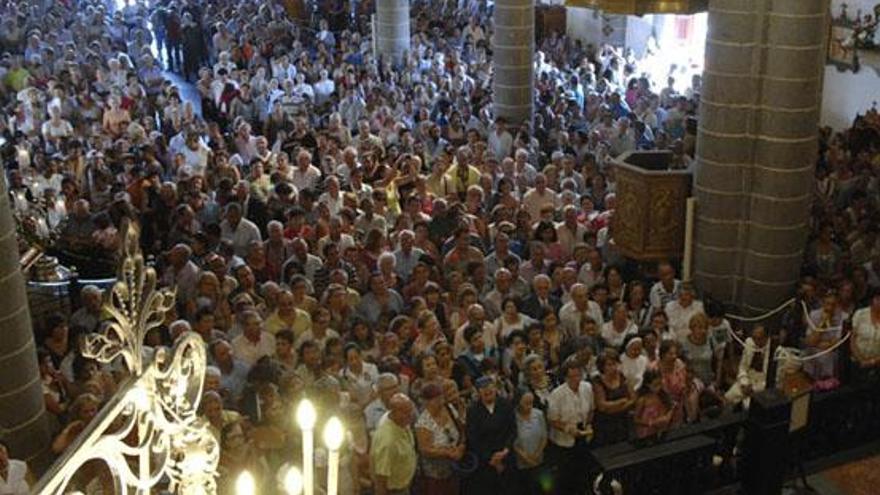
(245,484)
(293,481)
(306,415)
(305,418)
(333,433)
(333,436)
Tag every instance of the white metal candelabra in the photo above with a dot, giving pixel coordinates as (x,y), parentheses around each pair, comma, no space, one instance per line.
(296,481)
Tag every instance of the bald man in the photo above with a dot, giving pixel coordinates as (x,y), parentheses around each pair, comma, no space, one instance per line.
(393,454)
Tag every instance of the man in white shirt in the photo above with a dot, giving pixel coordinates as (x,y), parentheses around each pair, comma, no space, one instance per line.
(681,310)
(573,313)
(238,230)
(305,175)
(254,342)
(324,88)
(195,154)
(500,141)
(570,232)
(666,289)
(476,317)
(538,197)
(569,412)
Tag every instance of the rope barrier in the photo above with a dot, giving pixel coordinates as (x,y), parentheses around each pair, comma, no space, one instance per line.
(779,308)
(790,353)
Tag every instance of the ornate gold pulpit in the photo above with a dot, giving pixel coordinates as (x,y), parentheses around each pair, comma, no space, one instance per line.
(649,222)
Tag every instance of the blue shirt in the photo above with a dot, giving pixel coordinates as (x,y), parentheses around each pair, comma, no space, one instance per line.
(531,434)
(370,310)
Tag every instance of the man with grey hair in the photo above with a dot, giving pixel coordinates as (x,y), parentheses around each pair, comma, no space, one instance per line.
(503,289)
(180,272)
(476,317)
(88,317)
(574,313)
(178,328)
(541,299)
(386,386)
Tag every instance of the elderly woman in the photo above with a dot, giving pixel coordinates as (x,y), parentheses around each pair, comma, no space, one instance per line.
(440,440)
(536,380)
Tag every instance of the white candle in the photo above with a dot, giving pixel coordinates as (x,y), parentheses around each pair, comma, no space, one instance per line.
(333,436)
(293,482)
(245,484)
(305,418)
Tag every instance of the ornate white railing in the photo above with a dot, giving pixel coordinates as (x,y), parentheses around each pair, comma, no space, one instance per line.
(149,435)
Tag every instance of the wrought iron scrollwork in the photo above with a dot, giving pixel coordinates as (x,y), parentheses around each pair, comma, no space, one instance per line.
(149,435)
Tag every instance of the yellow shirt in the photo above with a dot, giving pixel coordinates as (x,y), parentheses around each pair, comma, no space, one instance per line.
(456,185)
(301,325)
(227,417)
(394,454)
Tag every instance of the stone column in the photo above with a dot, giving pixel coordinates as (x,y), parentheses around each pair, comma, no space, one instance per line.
(392,29)
(23,422)
(513,48)
(756,147)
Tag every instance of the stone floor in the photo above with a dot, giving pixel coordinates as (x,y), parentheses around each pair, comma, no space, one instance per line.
(854,478)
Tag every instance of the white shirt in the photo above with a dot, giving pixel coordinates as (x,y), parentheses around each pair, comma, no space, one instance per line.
(460,345)
(866,333)
(245,232)
(305,180)
(570,317)
(633,369)
(15,482)
(614,338)
(196,160)
(680,318)
(660,297)
(502,145)
(571,408)
(323,90)
(249,352)
(361,384)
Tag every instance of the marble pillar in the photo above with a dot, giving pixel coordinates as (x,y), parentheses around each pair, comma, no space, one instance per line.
(756,147)
(513,49)
(392,29)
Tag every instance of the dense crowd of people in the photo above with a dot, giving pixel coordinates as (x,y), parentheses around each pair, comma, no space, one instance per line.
(369,235)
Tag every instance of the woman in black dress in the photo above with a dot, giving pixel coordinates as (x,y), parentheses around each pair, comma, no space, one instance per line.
(614,400)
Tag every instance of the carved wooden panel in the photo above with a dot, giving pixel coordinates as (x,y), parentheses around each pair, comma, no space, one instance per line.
(649,222)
